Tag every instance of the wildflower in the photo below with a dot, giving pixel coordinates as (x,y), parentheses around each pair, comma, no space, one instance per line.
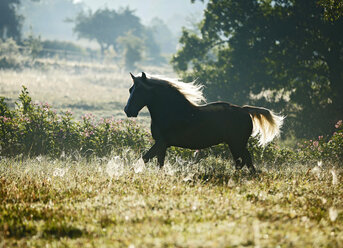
(338,124)
(315,143)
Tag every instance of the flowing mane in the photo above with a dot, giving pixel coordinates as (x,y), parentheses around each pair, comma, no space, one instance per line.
(191,91)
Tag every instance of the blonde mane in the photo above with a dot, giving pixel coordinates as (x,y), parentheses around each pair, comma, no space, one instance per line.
(191,91)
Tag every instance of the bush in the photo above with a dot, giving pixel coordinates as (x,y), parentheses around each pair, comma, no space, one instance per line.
(324,149)
(10,57)
(36,129)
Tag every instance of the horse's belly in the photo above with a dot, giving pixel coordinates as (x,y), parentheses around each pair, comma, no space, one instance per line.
(197,138)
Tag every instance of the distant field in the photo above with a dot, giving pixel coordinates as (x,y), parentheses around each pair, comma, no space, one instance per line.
(120,203)
(100,89)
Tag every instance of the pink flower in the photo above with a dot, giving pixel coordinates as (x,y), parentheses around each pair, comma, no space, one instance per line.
(315,143)
(338,124)
(6,119)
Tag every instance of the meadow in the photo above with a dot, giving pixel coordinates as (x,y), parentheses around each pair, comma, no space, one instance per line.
(69,197)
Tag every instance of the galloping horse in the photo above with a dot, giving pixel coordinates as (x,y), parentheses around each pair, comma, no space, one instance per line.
(178,119)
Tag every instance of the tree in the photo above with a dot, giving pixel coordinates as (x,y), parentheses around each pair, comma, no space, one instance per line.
(284,54)
(105,26)
(333,9)
(164,37)
(132,50)
(10,20)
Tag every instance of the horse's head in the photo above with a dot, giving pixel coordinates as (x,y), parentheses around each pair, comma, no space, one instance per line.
(139,95)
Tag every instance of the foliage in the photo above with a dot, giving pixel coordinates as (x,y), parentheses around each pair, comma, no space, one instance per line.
(322,149)
(132,50)
(33,45)
(9,54)
(284,55)
(35,129)
(10,20)
(106,26)
(333,9)
(163,36)
(111,28)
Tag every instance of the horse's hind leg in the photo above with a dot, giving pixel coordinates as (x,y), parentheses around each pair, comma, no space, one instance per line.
(248,161)
(237,157)
(242,157)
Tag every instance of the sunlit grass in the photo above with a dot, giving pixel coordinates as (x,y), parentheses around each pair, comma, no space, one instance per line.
(120,202)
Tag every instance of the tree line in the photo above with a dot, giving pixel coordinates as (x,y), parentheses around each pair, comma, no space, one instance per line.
(119,32)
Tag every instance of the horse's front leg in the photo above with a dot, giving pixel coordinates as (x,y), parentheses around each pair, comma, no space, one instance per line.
(150,154)
(161,154)
(159,150)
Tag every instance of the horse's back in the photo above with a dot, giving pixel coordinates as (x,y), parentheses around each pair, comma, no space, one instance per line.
(234,114)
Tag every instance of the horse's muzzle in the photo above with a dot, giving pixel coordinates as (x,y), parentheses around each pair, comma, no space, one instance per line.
(129,113)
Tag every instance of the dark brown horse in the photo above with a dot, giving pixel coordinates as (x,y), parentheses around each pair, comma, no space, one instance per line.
(177,119)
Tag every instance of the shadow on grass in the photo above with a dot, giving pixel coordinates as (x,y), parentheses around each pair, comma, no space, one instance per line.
(61,229)
(222,173)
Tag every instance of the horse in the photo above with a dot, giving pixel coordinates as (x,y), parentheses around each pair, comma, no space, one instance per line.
(178,118)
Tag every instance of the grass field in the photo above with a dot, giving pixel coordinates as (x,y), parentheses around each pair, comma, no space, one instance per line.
(117,201)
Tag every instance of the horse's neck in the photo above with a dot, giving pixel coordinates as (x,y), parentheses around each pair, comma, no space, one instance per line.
(166,108)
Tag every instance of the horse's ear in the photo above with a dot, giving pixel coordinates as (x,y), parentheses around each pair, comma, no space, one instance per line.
(143,76)
(132,76)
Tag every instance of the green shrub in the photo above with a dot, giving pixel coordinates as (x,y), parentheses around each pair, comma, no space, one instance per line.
(324,148)
(10,57)
(36,129)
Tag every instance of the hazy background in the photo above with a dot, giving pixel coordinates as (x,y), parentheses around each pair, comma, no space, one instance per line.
(48,17)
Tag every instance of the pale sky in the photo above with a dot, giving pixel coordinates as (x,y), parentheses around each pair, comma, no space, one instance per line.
(175,13)
(48,17)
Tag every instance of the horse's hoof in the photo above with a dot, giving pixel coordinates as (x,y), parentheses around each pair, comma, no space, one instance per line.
(253,171)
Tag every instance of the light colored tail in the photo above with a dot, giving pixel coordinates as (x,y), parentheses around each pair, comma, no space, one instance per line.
(265,122)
